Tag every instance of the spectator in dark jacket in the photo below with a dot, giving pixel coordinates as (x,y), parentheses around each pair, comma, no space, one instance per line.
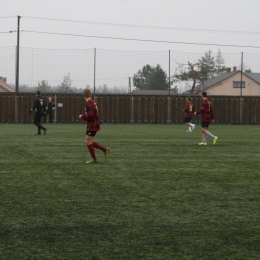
(49,108)
(39,110)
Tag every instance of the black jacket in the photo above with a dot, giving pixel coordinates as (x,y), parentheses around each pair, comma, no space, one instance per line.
(39,106)
(49,106)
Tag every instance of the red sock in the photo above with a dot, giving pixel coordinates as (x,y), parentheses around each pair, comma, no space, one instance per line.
(92,151)
(98,146)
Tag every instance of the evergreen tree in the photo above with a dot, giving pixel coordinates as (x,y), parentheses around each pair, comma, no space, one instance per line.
(151,78)
(43,86)
(220,64)
(206,67)
(66,85)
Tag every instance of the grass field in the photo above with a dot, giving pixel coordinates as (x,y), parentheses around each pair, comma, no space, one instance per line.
(158,196)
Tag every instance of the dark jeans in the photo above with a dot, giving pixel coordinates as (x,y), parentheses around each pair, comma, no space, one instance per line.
(37,122)
(50,117)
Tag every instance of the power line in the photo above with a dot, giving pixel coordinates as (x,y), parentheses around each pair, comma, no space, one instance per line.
(142,40)
(8,32)
(145,26)
(7,17)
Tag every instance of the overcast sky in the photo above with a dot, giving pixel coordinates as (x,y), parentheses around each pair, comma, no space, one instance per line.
(150,27)
(223,22)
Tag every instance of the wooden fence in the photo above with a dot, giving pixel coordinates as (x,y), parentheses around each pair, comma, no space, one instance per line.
(131,108)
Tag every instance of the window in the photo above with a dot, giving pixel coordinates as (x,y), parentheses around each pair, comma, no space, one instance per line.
(236,84)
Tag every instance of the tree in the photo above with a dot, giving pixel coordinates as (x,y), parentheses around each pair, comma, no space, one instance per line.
(187,72)
(25,88)
(102,89)
(202,70)
(219,64)
(43,86)
(176,90)
(151,78)
(66,85)
(206,67)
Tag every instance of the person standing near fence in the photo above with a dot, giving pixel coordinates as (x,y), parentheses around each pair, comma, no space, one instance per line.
(207,117)
(39,110)
(189,110)
(93,125)
(50,106)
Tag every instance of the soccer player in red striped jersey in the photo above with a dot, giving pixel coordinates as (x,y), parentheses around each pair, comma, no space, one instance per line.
(189,110)
(93,125)
(207,117)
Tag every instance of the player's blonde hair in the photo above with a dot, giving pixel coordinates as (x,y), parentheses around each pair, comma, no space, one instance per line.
(87,93)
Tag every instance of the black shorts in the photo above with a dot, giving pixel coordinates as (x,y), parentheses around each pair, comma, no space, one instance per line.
(91,133)
(187,119)
(205,124)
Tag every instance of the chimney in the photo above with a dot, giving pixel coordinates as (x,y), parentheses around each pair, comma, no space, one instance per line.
(228,69)
(3,79)
(234,68)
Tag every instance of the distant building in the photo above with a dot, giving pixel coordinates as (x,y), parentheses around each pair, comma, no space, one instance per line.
(4,87)
(154,92)
(229,84)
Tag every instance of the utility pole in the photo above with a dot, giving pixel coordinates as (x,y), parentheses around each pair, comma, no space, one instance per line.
(169,91)
(17,55)
(94,73)
(169,72)
(241,74)
(129,85)
(241,98)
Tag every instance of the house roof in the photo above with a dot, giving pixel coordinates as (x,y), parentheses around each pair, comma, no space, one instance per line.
(214,81)
(254,76)
(153,92)
(4,87)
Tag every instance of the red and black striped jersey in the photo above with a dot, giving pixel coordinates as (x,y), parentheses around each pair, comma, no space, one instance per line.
(189,109)
(91,116)
(206,111)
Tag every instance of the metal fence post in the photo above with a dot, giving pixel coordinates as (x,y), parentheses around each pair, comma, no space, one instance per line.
(56,106)
(169,97)
(241,85)
(132,109)
(94,73)
(17,55)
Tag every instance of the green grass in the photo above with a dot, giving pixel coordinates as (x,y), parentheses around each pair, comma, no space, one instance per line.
(158,196)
